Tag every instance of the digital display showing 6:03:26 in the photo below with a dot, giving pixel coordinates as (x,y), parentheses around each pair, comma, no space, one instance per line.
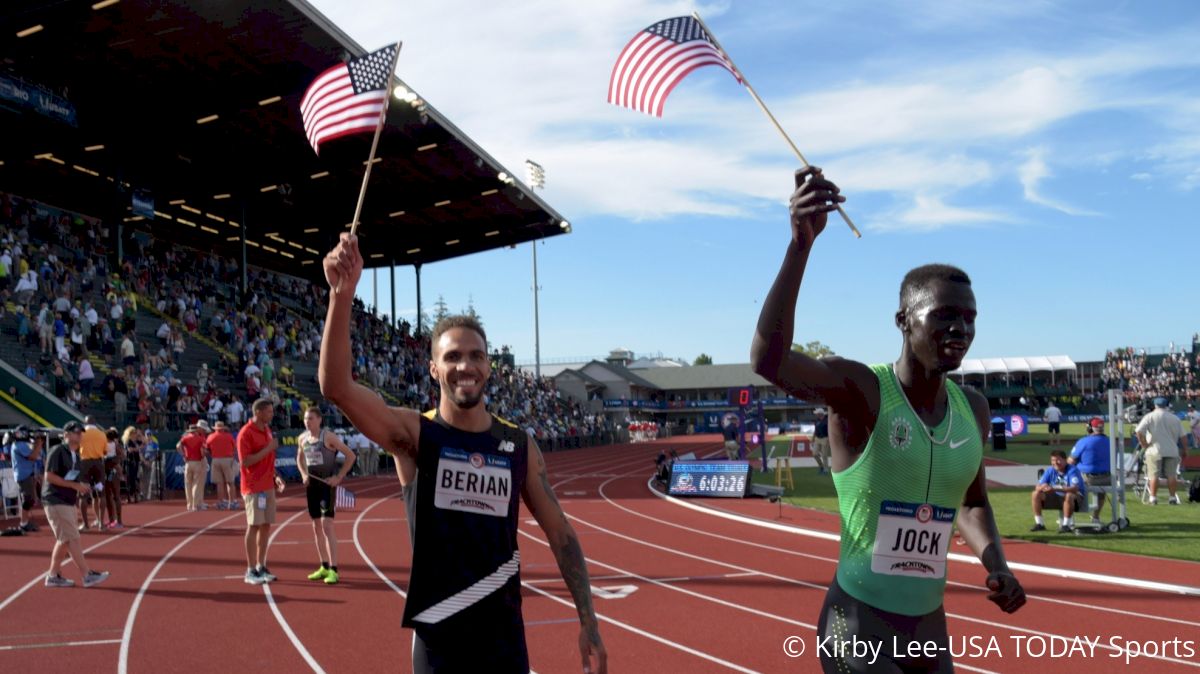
(709,478)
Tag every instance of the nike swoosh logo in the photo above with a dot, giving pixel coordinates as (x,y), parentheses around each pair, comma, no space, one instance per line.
(956,445)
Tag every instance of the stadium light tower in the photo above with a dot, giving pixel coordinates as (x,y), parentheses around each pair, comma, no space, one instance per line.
(535,176)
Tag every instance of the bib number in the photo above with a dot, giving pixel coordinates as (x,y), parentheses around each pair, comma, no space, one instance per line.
(912,539)
(473,482)
(314,457)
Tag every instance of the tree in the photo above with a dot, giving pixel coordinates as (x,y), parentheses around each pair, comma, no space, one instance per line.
(814,349)
(440,310)
(703,359)
(470,310)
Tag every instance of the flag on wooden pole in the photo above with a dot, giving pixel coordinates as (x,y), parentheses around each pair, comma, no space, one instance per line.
(658,58)
(349,97)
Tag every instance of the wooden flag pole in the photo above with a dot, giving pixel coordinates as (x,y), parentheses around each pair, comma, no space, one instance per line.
(771,117)
(362,193)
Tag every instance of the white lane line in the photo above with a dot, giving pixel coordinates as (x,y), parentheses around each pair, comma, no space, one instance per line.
(1070,574)
(198,578)
(362,553)
(266,587)
(692,593)
(1000,626)
(98,642)
(599,616)
(649,635)
(283,623)
(41,577)
(833,560)
(123,660)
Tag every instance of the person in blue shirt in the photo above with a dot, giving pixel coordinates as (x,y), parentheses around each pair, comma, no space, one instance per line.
(1061,486)
(1091,456)
(26,454)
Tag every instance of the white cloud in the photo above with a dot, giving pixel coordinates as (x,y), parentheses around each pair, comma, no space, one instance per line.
(1141,176)
(1031,173)
(930,213)
(528,80)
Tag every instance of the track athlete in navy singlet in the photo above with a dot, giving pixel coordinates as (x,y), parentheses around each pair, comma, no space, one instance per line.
(462,470)
(907,448)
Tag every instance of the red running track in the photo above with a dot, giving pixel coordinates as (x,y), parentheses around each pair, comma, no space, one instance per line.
(696,586)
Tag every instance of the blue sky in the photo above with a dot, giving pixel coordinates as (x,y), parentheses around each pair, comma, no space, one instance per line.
(1052,150)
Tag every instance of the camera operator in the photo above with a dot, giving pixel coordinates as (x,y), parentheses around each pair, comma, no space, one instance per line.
(25,456)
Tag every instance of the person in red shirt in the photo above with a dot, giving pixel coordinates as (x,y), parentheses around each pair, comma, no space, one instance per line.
(221,447)
(195,467)
(256,447)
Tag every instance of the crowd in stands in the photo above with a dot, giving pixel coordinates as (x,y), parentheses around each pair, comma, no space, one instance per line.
(80,314)
(1174,375)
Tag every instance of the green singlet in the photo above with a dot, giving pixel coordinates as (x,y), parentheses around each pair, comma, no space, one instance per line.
(899,499)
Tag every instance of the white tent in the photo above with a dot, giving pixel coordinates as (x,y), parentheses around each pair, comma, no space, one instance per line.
(1007,366)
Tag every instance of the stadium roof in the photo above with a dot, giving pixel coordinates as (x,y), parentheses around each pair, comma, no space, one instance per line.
(197,103)
(703,377)
(1029,364)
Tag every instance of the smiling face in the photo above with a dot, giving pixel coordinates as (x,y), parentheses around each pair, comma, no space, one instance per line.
(461,367)
(939,324)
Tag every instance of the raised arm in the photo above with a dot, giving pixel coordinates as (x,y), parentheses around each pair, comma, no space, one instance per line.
(395,429)
(540,499)
(843,384)
(977,524)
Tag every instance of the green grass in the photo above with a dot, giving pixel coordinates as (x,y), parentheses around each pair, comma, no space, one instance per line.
(1159,531)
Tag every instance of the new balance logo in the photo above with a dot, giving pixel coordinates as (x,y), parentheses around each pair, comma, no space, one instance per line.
(507,446)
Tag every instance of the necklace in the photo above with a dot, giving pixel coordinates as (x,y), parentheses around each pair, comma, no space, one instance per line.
(924,427)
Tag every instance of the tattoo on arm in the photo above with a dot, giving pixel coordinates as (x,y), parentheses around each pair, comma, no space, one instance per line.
(569,555)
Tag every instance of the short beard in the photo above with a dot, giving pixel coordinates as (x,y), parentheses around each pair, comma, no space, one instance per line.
(463,403)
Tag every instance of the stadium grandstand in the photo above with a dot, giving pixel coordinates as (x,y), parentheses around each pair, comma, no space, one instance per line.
(163,218)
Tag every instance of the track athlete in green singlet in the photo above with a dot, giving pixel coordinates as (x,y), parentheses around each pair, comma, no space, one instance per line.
(907,448)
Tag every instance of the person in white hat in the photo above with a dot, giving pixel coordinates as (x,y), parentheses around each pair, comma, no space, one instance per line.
(821,442)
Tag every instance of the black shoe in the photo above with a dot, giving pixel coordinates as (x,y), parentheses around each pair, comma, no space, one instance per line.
(1066,529)
(1038,527)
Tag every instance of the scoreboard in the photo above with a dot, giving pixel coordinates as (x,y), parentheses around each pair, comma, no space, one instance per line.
(740,396)
(709,478)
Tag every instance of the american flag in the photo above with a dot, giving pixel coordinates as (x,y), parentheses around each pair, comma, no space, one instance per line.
(657,58)
(348,98)
(344,499)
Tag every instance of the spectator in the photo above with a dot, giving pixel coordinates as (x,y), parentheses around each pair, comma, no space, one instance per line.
(730,431)
(1061,486)
(133,440)
(221,447)
(1160,433)
(191,446)
(1091,456)
(1194,420)
(114,477)
(60,492)
(821,443)
(256,447)
(1053,416)
(92,448)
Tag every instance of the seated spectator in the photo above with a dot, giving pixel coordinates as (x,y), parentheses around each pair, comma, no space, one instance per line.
(1091,456)
(1061,486)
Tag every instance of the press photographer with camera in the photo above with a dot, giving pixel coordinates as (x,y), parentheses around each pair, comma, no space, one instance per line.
(26,452)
